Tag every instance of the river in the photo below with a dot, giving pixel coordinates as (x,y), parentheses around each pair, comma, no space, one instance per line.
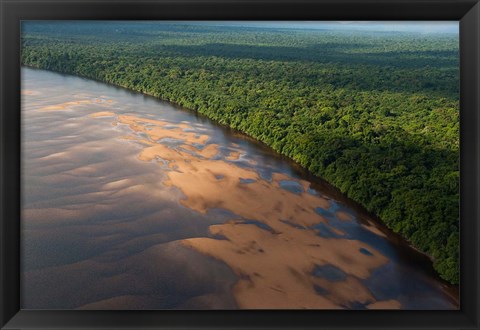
(132,203)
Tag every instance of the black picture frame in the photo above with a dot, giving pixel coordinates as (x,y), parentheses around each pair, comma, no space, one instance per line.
(14,11)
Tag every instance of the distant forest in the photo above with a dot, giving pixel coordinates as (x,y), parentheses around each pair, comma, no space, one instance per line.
(374,113)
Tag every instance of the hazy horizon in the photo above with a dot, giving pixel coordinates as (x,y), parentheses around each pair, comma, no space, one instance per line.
(422,27)
(418,27)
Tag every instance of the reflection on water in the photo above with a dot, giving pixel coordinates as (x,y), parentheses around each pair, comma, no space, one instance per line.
(130,203)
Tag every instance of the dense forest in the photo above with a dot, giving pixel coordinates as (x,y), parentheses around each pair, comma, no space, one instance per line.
(374,113)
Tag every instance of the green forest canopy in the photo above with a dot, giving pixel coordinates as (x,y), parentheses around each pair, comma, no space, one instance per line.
(374,113)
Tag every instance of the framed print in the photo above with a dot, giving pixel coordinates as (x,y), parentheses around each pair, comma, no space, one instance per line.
(238,164)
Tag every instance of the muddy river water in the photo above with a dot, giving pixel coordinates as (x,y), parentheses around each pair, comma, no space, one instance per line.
(133,203)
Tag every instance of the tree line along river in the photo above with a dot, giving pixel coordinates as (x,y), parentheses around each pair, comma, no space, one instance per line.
(132,203)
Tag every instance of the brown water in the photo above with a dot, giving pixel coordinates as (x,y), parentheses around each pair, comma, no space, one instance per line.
(132,203)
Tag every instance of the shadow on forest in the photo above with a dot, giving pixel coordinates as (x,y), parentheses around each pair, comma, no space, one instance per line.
(431,71)
(322,53)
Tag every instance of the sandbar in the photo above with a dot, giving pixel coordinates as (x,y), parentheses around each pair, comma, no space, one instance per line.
(273,260)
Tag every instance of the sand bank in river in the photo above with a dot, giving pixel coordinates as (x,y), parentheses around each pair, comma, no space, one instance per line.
(102,114)
(72,104)
(234,155)
(269,243)
(30,92)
